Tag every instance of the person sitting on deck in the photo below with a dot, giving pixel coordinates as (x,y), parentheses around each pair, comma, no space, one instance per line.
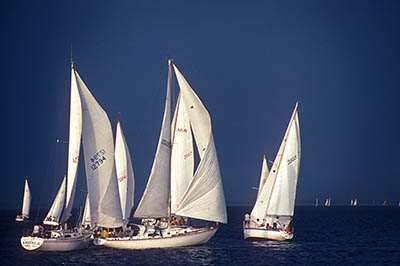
(181,221)
(247,220)
(268,226)
(288,229)
(174,222)
(259,224)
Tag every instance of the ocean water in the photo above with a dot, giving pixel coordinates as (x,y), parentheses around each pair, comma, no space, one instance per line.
(323,236)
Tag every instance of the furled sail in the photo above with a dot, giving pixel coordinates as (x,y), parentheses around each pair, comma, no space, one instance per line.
(74,144)
(204,197)
(277,197)
(264,175)
(182,157)
(98,147)
(154,202)
(56,209)
(125,177)
(26,204)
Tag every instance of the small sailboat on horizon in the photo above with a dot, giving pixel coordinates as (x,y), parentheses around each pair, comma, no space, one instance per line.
(316,202)
(274,208)
(26,204)
(328,202)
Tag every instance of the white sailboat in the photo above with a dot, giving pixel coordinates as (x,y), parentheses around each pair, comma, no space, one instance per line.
(316,202)
(274,207)
(26,204)
(355,202)
(328,202)
(173,188)
(89,122)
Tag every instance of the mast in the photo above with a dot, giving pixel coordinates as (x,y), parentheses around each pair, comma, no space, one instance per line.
(170,61)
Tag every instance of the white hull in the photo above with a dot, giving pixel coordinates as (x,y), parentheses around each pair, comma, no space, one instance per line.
(262,233)
(55,244)
(196,237)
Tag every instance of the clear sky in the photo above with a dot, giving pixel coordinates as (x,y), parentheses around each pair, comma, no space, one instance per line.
(249,62)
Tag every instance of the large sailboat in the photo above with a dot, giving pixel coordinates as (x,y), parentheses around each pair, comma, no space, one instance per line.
(26,204)
(89,122)
(174,191)
(274,207)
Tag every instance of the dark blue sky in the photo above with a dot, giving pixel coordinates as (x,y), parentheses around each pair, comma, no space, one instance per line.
(249,61)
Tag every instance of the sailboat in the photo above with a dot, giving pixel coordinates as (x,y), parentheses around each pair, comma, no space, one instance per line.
(274,207)
(328,202)
(26,204)
(89,122)
(316,202)
(351,202)
(355,202)
(174,190)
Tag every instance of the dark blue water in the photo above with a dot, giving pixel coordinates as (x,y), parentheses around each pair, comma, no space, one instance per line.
(323,236)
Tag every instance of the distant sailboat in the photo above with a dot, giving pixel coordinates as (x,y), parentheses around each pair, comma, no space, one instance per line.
(328,202)
(316,202)
(89,122)
(351,202)
(26,204)
(174,189)
(274,207)
(384,203)
(355,202)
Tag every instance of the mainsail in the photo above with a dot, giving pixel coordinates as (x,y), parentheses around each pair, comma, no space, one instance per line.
(278,194)
(86,220)
(74,144)
(125,177)
(56,209)
(154,202)
(26,204)
(98,147)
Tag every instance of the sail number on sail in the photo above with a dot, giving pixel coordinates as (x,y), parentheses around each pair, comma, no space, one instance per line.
(291,160)
(98,159)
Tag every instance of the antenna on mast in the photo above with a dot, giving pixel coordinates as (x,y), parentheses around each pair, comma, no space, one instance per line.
(72,61)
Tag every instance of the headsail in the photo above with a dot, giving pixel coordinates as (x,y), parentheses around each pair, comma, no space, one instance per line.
(154,202)
(125,177)
(204,199)
(182,157)
(86,220)
(26,204)
(98,147)
(278,194)
(264,175)
(74,144)
(54,214)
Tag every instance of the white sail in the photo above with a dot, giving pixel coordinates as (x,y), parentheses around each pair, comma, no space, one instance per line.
(56,209)
(264,175)
(278,194)
(182,157)
(355,202)
(98,147)
(125,176)
(26,204)
(204,198)
(316,202)
(74,144)
(154,202)
(86,220)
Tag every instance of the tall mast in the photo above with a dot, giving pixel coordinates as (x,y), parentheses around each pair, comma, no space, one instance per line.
(170,61)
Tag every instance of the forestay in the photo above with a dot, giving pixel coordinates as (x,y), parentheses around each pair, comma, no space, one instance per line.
(98,147)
